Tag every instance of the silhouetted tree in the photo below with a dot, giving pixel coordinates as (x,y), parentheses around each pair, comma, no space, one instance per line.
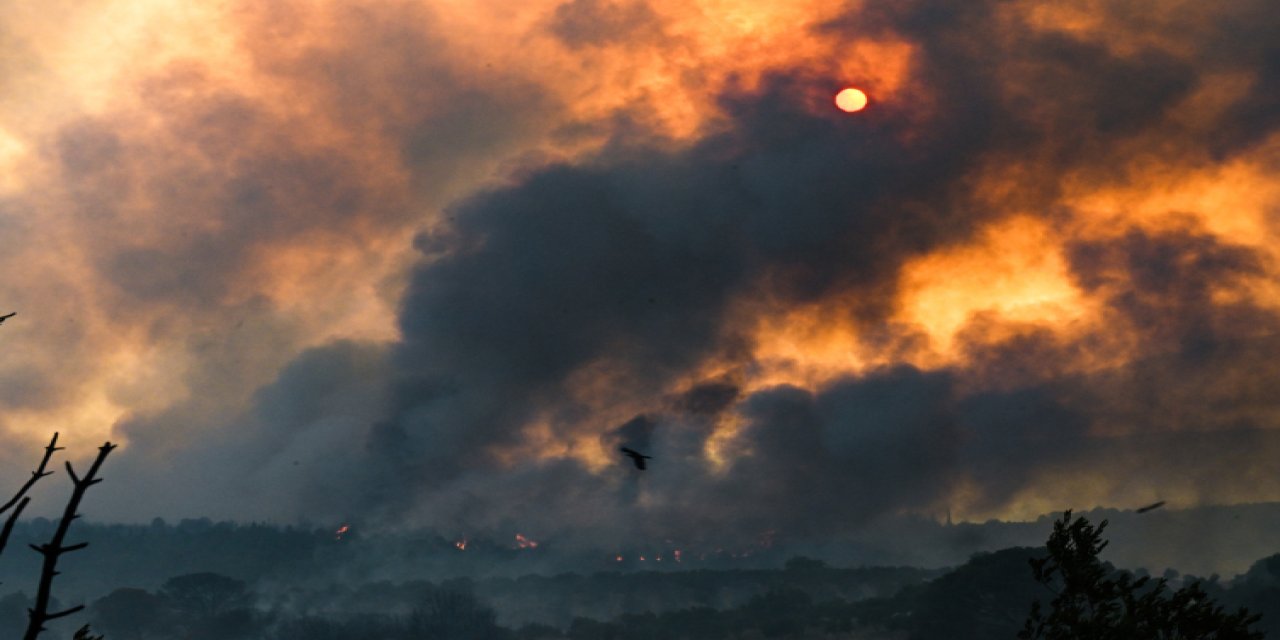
(129,614)
(984,598)
(450,615)
(19,501)
(83,633)
(52,551)
(13,614)
(39,614)
(1093,600)
(205,594)
(209,605)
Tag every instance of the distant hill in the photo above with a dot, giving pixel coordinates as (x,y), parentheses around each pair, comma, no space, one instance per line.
(1204,541)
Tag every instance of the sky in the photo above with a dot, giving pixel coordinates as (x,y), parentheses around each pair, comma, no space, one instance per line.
(430,263)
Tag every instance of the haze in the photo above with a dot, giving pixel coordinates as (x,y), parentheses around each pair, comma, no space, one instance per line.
(429,265)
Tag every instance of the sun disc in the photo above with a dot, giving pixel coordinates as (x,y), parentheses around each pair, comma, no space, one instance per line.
(851,99)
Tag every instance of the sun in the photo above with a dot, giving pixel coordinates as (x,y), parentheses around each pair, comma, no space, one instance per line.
(851,100)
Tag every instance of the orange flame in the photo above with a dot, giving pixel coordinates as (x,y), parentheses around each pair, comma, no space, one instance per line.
(525,543)
(461,544)
(337,535)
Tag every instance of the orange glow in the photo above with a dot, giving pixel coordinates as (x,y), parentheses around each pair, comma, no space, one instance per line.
(525,543)
(319,265)
(1233,201)
(1013,270)
(851,100)
(344,285)
(337,535)
(721,448)
(806,346)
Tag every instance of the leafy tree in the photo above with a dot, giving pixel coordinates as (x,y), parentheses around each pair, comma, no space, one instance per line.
(129,614)
(13,614)
(83,633)
(1093,600)
(778,613)
(984,598)
(205,594)
(450,615)
(210,605)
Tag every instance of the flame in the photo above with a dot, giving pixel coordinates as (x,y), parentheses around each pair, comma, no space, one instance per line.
(676,554)
(617,558)
(461,544)
(525,543)
(337,535)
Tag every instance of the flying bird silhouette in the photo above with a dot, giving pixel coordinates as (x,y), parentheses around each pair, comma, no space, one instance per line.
(1151,507)
(636,457)
(7,316)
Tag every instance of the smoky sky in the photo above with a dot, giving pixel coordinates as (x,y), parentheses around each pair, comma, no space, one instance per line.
(609,298)
(632,257)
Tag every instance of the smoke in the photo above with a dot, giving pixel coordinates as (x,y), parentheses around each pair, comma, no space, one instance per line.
(1036,273)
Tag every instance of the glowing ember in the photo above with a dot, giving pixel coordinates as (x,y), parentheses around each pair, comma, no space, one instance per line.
(525,543)
(677,555)
(617,559)
(461,544)
(337,535)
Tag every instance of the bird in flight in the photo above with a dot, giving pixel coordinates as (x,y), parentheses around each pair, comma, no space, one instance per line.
(636,457)
(1151,507)
(7,316)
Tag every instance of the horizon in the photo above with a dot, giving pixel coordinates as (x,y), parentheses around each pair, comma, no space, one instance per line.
(1200,541)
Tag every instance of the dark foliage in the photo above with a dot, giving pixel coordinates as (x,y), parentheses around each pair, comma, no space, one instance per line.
(129,614)
(1093,600)
(1259,590)
(451,615)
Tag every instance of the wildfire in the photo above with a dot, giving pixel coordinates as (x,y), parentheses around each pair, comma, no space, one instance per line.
(461,544)
(525,543)
(337,535)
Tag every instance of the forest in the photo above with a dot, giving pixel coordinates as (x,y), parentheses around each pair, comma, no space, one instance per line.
(223,581)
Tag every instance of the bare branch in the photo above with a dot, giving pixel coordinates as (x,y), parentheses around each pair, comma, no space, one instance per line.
(63,614)
(51,550)
(35,475)
(10,521)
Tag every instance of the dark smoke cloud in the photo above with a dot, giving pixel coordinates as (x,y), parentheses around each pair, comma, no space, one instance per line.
(858,448)
(1165,283)
(624,269)
(196,218)
(597,23)
(633,257)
